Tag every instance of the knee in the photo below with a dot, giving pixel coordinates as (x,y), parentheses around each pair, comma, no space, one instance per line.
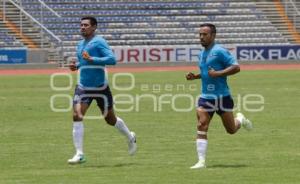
(230,131)
(202,126)
(110,120)
(77,117)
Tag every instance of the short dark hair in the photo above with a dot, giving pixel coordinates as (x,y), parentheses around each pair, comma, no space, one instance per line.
(93,20)
(211,26)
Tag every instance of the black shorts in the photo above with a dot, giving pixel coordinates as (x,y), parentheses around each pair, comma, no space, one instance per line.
(103,97)
(220,105)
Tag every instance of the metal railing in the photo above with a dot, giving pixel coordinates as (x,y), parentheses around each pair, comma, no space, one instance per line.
(18,4)
(293,12)
(38,20)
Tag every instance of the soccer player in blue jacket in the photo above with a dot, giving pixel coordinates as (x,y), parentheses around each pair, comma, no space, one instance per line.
(215,63)
(93,54)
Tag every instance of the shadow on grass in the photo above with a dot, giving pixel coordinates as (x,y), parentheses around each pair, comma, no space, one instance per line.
(120,165)
(228,166)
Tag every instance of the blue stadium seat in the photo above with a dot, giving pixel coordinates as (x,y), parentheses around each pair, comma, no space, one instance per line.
(158,22)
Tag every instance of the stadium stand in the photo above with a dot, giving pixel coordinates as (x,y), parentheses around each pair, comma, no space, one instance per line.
(285,16)
(162,22)
(24,31)
(6,40)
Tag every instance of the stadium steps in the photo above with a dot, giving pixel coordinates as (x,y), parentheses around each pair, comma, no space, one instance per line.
(7,39)
(29,31)
(270,11)
(161,22)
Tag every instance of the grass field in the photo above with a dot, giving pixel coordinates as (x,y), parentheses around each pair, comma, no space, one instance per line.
(36,142)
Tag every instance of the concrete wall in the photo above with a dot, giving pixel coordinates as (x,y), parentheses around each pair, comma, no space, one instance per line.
(37,56)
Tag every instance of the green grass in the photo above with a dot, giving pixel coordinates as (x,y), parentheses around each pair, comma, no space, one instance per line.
(36,142)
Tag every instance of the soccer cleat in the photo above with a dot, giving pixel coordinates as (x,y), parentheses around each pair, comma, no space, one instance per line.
(77,159)
(246,123)
(199,165)
(132,147)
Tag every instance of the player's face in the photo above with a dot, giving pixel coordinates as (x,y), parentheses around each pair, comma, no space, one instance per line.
(86,29)
(206,37)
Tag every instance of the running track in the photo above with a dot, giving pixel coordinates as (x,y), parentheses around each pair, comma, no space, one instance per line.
(148,69)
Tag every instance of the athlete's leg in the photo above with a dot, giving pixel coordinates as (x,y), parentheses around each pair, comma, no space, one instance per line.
(225,106)
(117,122)
(246,123)
(79,111)
(80,106)
(231,124)
(105,103)
(110,116)
(204,119)
(78,128)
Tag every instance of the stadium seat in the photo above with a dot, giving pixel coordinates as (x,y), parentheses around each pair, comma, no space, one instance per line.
(158,22)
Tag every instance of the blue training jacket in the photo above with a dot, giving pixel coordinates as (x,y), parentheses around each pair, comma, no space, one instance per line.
(217,58)
(92,74)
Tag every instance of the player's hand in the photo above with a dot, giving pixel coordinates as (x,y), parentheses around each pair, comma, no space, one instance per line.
(86,56)
(72,66)
(213,73)
(190,76)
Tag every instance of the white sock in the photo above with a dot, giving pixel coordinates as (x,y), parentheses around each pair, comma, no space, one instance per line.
(240,120)
(121,126)
(78,132)
(201,148)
